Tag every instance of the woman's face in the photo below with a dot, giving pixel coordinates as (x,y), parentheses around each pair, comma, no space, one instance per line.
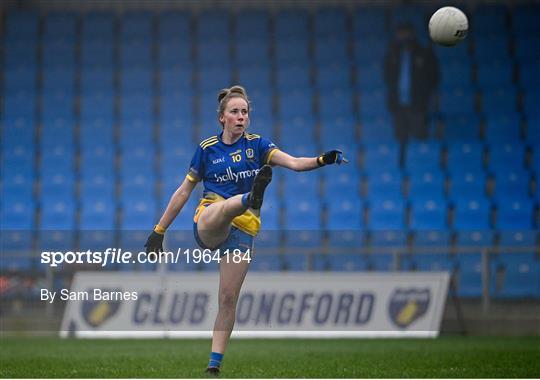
(235,118)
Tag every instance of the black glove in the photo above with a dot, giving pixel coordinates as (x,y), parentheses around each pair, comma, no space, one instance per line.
(331,157)
(154,244)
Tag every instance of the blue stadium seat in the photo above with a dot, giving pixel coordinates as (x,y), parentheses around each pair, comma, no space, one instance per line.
(517,238)
(266,262)
(58,215)
(57,187)
(252,23)
(98,215)
(337,103)
(506,156)
(59,80)
(333,76)
(512,184)
(530,100)
(330,21)
(303,239)
(491,48)
(382,262)
(495,75)
(500,101)
(381,157)
(459,54)
(136,214)
(60,24)
(18,215)
(462,127)
(330,50)
(20,53)
(386,214)
(376,129)
(212,78)
(22,23)
(175,25)
(430,214)
(207,51)
(335,184)
(97,53)
(467,184)
(432,238)
(348,262)
(515,214)
(369,49)
(136,79)
(136,25)
(344,215)
(369,21)
(175,82)
(521,275)
(98,26)
(457,102)
(434,262)
(346,239)
(426,185)
(423,156)
(255,77)
(258,57)
(303,215)
(465,157)
(23,78)
(503,127)
(58,53)
(472,214)
(294,77)
(291,23)
(370,78)
(296,262)
(385,183)
(373,102)
(175,54)
(456,74)
(474,238)
(526,48)
(469,280)
(490,19)
(297,103)
(212,23)
(298,186)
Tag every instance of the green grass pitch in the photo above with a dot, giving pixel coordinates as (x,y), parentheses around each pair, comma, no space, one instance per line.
(444,357)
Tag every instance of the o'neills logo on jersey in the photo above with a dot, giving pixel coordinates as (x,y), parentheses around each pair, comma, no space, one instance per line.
(232,176)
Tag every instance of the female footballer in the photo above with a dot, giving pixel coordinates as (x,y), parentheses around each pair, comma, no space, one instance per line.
(235,168)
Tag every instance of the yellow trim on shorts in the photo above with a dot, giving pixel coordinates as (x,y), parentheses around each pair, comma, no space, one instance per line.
(248,222)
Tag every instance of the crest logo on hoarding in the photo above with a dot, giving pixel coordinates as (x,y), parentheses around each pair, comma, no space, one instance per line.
(408,305)
(95,313)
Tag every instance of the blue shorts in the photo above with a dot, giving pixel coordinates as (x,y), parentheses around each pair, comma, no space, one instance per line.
(237,239)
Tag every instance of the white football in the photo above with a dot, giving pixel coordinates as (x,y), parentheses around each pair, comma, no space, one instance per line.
(448,26)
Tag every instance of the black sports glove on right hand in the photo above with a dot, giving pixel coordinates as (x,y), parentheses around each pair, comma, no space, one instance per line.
(331,157)
(154,243)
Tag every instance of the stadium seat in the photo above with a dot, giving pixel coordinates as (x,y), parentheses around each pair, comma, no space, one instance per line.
(381,157)
(382,262)
(429,214)
(469,279)
(503,128)
(465,157)
(369,49)
(472,214)
(296,262)
(474,238)
(512,184)
(266,263)
(515,214)
(517,238)
(329,50)
(426,185)
(432,238)
(521,275)
(506,156)
(387,184)
(348,262)
(434,262)
(291,23)
(467,184)
(386,214)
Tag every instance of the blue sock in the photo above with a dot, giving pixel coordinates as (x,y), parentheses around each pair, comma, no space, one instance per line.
(245,199)
(215,360)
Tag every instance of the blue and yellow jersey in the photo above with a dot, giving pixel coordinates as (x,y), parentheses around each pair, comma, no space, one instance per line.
(228,170)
